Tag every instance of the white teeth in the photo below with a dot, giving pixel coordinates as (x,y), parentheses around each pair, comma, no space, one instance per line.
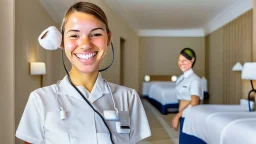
(86,56)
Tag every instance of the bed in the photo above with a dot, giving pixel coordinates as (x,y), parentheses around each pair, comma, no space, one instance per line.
(211,120)
(241,131)
(221,132)
(160,92)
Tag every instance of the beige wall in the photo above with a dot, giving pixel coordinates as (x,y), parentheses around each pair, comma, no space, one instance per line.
(120,29)
(159,55)
(214,66)
(254,31)
(7,71)
(230,44)
(31,19)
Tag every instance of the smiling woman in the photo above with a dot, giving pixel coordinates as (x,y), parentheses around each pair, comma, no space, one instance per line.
(189,92)
(85,41)
(82,108)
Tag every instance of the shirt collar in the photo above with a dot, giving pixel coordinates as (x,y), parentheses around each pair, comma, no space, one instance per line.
(99,89)
(188,73)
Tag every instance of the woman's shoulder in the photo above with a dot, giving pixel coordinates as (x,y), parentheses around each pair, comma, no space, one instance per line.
(194,76)
(44,91)
(116,88)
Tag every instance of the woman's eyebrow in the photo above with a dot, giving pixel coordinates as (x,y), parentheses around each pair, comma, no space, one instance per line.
(72,31)
(91,30)
(97,29)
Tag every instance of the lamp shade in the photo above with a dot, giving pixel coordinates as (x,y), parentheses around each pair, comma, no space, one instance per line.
(237,67)
(174,78)
(147,78)
(37,68)
(249,71)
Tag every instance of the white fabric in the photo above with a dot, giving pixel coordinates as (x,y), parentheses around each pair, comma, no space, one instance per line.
(146,87)
(241,131)
(186,111)
(218,123)
(188,73)
(163,92)
(41,122)
(187,85)
(204,84)
(195,120)
(244,103)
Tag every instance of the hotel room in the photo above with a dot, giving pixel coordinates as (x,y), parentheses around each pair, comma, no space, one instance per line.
(147,41)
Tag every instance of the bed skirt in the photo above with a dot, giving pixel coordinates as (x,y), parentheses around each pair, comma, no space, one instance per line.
(164,109)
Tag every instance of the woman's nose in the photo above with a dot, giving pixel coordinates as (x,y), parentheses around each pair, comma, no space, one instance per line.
(85,42)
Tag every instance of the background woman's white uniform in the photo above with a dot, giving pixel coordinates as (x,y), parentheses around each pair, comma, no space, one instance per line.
(187,85)
(41,122)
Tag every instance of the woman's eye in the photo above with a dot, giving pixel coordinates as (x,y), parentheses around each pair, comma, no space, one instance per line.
(74,36)
(96,35)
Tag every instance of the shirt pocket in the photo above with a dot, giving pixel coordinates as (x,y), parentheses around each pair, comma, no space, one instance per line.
(57,130)
(119,138)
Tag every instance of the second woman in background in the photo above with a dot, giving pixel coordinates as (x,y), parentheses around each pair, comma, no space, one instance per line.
(189,92)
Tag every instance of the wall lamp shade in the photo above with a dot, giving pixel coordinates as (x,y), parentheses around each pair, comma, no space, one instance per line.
(37,68)
(237,67)
(249,71)
(146,78)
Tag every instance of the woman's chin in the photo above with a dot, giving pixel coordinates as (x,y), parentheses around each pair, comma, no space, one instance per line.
(184,70)
(88,69)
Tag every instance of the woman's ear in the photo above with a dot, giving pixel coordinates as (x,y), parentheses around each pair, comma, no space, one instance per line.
(109,38)
(62,44)
(193,59)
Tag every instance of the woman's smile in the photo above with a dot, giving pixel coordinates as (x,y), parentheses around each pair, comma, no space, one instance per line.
(86,58)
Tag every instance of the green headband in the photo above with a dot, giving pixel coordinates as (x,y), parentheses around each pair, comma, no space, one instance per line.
(189,52)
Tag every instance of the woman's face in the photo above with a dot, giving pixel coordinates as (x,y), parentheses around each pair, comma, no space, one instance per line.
(184,63)
(85,41)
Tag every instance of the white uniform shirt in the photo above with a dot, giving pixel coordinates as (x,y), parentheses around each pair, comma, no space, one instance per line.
(41,122)
(187,85)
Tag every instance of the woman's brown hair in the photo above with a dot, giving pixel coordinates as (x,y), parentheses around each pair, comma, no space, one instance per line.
(84,7)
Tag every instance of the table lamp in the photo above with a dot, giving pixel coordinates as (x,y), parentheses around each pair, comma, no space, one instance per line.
(249,73)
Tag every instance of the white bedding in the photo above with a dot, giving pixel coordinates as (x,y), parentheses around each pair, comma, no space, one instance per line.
(195,120)
(146,87)
(219,125)
(163,92)
(240,131)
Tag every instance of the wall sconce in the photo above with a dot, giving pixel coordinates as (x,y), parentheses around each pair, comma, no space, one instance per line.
(174,78)
(249,73)
(146,78)
(38,68)
(237,67)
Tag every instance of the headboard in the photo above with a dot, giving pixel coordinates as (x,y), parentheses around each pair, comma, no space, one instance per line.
(159,78)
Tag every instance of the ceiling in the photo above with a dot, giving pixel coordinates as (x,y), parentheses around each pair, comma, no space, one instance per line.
(166,17)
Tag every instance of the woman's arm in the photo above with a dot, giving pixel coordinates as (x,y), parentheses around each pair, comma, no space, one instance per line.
(194,101)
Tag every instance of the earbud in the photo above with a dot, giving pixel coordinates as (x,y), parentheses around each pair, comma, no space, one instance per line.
(62,115)
(50,38)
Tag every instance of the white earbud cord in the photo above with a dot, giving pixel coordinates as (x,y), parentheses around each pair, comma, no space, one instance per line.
(112,97)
